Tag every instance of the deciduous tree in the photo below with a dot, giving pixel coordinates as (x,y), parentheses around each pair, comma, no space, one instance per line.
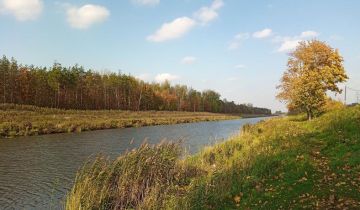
(313,69)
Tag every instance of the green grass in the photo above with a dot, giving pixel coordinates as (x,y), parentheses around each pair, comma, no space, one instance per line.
(281,163)
(24,120)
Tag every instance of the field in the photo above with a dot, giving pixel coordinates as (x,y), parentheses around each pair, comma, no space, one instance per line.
(281,163)
(23,120)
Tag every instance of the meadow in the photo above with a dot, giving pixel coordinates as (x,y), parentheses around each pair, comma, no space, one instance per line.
(26,120)
(281,163)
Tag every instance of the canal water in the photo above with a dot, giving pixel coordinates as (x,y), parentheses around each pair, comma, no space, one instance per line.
(37,171)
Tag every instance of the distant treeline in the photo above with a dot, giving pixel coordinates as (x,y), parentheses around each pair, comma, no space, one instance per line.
(76,88)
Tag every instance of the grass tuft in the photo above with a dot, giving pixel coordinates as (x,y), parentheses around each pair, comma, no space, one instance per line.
(137,179)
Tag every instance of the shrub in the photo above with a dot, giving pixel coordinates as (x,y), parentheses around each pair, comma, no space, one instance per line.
(332,105)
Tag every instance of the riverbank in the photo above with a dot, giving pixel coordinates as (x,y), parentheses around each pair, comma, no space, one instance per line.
(281,163)
(23,120)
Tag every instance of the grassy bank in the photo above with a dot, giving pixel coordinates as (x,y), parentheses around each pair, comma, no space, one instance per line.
(23,120)
(283,163)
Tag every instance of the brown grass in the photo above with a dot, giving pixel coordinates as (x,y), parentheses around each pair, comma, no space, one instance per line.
(23,120)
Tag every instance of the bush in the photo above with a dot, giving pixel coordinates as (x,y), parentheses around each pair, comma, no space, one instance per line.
(332,105)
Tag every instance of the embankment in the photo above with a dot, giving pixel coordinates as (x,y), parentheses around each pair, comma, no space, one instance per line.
(281,163)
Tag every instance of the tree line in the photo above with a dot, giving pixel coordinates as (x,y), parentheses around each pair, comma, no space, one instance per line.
(76,88)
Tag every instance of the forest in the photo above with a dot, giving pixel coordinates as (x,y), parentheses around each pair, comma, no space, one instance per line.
(75,87)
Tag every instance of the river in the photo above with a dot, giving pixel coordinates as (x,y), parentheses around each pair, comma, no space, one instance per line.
(37,171)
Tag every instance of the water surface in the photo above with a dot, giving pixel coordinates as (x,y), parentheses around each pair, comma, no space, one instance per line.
(36,172)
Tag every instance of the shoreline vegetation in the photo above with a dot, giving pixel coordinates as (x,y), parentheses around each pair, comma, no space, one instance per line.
(25,120)
(279,163)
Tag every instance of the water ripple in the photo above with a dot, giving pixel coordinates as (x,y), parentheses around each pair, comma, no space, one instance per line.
(36,172)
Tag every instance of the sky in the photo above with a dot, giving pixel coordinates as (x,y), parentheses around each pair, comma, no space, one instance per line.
(238,48)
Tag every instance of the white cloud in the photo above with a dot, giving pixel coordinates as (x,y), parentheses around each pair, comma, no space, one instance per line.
(182,25)
(217,4)
(289,45)
(86,16)
(188,60)
(309,34)
(144,77)
(208,14)
(242,36)
(263,33)
(23,10)
(146,2)
(237,41)
(240,66)
(173,30)
(166,77)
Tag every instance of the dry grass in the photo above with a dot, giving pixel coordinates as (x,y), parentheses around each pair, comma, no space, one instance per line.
(24,120)
(137,180)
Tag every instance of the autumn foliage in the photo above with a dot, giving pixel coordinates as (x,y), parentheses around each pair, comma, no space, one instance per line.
(76,88)
(313,69)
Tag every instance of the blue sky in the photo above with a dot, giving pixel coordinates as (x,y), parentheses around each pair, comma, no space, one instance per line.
(236,47)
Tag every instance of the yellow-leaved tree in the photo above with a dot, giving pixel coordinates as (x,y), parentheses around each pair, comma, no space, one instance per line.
(313,68)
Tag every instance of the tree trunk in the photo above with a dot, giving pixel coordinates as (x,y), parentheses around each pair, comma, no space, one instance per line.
(4,87)
(309,114)
(139,103)
(58,96)
(117,98)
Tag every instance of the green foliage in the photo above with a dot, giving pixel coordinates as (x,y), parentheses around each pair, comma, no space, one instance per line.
(281,163)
